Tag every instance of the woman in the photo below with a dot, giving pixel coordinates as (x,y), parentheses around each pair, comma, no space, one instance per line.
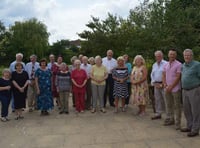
(120,75)
(55,69)
(79,79)
(43,86)
(128,65)
(139,84)
(98,76)
(63,84)
(5,94)
(20,82)
(91,61)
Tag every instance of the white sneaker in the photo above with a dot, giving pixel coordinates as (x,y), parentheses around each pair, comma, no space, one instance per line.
(3,119)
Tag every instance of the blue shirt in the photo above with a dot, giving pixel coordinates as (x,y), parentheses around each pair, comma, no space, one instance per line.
(190,75)
(128,65)
(12,66)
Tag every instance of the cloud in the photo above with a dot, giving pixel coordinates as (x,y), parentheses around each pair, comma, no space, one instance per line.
(63,18)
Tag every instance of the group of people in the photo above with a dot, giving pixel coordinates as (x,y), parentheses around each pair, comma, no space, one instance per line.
(93,80)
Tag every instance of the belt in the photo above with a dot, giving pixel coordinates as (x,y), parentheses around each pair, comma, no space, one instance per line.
(191,87)
(158,82)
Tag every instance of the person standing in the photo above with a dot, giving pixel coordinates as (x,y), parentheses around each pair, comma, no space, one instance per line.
(55,68)
(190,81)
(110,63)
(79,80)
(51,61)
(20,82)
(120,91)
(43,85)
(19,58)
(172,85)
(31,68)
(63,85)
(156,82)
(139,85)
(98,76)
(87,68)
(129,66)
(5,94)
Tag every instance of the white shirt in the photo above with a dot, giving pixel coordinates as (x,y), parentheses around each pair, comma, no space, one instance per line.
(109,64)
(157,70)
(28,68)
(87,68)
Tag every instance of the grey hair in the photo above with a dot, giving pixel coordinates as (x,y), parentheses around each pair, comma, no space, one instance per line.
(158,52)
(188,50)
(6,70)
(97,57)
(19,54)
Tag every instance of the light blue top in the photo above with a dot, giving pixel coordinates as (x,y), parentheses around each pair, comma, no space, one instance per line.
(129,66)
(190,75)
(12,66)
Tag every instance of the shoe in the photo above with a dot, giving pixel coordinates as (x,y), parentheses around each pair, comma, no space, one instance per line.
(142,114)
(30,110)
(21,117)
(61,112)
(168,123)
(82,111)
(192,134)
(3,119)
(112,105)
(103,110)
(116,110)
(185,130)
(93,110)
(13,111)
(17,118)
(46,113)
(66,112)
(7,119)
(178,128)
(123,109)
(156,117)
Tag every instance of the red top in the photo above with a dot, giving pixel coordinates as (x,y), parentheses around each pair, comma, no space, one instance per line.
(79,76)
(54,69)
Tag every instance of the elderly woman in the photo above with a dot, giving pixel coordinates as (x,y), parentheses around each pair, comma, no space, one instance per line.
(91,61)
(43,85)
(20,82)
(98,76)
(5,94)
(79,79)
(120,75)
(55,68)
(139,84)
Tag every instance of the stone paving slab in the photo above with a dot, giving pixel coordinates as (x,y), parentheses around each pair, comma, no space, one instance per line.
(87,130)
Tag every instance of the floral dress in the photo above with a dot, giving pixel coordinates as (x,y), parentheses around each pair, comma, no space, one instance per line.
(139,92)
(44,100)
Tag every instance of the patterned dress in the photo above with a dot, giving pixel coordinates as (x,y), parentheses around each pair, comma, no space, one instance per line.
(54,69)
(120,89)
(44,99)
(139,92)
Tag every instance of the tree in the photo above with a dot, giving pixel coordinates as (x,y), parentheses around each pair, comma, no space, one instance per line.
(29,37)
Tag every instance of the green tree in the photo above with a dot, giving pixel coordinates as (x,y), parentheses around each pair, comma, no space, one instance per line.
(29,37)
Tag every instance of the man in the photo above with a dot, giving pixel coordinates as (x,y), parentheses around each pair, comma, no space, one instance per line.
(190,81)
(87,68)
(19,57)
(156,81)
(31,68)
(172,85)
(110,63)
(52,61)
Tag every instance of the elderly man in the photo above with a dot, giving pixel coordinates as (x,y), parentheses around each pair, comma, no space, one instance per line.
(190,81)
(110,63)
(51,61)
(31,67)
(156,81)
(87,68)
(172,84)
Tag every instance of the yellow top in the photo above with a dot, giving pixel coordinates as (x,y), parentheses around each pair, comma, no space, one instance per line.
(98,73)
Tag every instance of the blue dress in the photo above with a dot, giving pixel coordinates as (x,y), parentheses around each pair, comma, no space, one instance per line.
(44,99)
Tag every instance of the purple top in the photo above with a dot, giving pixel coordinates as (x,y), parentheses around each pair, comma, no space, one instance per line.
(171,69)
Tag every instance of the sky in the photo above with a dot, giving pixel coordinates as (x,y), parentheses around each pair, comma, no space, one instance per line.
(63,18)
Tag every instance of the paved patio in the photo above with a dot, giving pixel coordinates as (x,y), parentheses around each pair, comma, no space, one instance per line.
(87,130)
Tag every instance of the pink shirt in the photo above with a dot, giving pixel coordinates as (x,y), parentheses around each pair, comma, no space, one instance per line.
(171,70)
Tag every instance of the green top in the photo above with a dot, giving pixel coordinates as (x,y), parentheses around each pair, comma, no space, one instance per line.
(190,75)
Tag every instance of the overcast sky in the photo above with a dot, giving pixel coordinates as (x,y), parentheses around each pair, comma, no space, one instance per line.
(63,18)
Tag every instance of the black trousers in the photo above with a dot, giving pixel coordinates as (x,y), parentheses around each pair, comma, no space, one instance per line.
(109,90)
